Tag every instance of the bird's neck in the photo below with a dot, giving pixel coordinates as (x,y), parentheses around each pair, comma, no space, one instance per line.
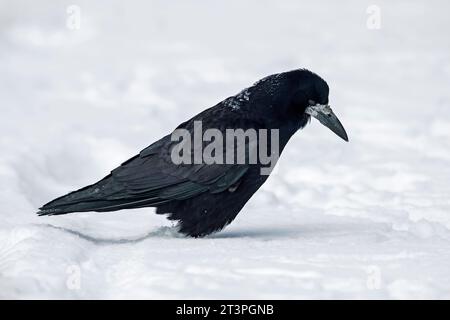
(290,127)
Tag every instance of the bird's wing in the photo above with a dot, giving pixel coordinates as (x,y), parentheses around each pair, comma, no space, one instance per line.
(151,178)
(154,177)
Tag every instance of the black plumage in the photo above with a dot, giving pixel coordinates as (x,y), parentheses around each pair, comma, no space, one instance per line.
(206,197)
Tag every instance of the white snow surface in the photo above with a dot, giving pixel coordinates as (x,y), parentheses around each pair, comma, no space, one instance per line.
(364,219)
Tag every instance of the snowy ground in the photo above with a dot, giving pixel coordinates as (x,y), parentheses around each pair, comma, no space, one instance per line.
(365,219)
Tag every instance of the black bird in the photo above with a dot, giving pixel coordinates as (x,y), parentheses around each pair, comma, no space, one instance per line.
(204,198)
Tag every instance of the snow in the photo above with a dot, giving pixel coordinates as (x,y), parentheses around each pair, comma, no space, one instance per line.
(364,219)
(235,102)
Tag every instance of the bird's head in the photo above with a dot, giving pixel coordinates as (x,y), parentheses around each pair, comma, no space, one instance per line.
(301,94)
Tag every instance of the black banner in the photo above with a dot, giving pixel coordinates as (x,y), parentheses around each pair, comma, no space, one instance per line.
(222,309)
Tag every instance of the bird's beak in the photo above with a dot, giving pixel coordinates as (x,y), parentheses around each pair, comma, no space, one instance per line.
(325,115)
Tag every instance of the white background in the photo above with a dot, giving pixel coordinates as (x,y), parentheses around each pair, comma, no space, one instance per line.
(364,219)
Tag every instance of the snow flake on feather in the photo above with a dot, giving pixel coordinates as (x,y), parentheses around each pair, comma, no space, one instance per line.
(269,83)
(237,101)
(272,78)
(270,86)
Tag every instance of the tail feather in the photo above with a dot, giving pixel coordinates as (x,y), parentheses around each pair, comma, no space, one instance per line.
(90,198)
(102,196)
(50,210)
(98,206)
